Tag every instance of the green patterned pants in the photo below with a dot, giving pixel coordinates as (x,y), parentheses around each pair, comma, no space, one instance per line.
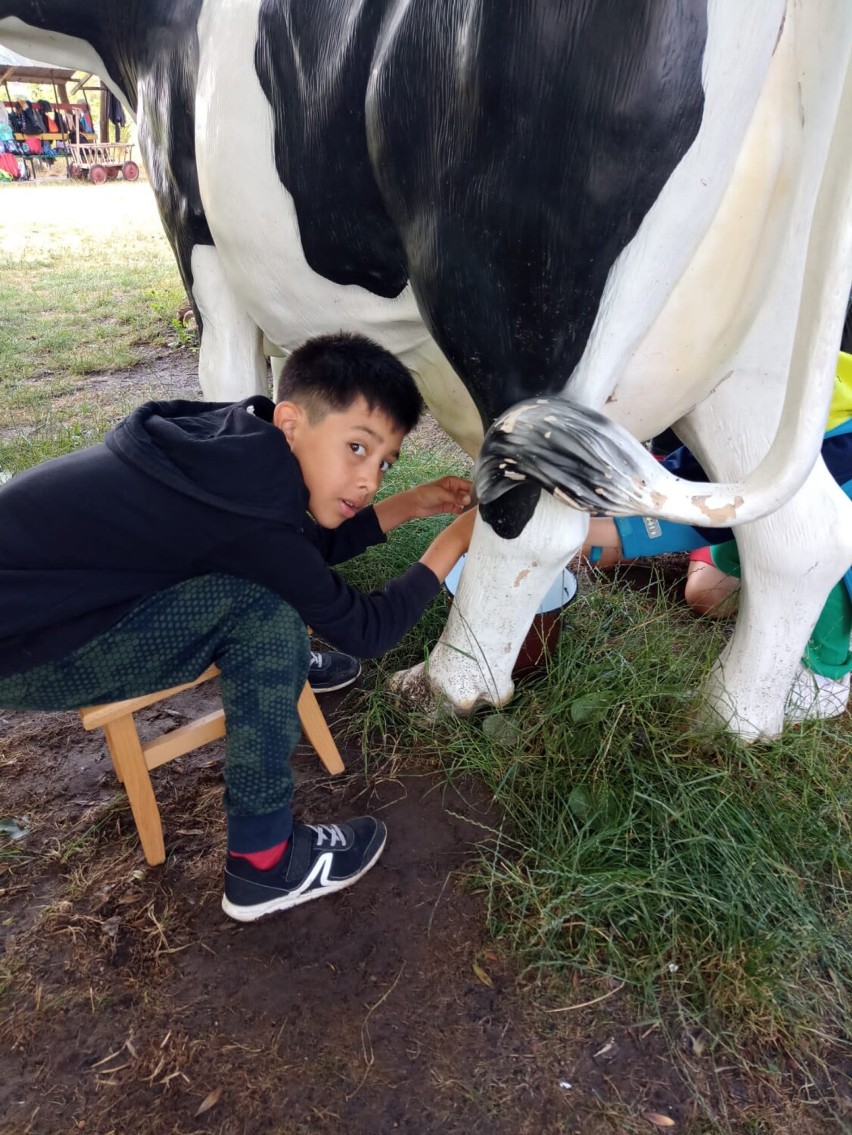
(258,642)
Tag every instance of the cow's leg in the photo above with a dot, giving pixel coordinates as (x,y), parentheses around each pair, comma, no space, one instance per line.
(231,363)
(501,588)
(276,365)
(790,561)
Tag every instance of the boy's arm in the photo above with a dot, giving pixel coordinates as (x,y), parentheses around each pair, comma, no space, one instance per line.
(447,494)
(449,546)
(370,526)
(289,563)
(351,538)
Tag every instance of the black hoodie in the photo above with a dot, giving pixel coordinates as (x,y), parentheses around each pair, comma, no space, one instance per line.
(177,490)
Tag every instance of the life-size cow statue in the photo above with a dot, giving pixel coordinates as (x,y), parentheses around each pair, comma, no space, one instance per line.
(581,220)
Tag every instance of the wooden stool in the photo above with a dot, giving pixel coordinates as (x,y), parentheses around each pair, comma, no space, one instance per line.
(133,761)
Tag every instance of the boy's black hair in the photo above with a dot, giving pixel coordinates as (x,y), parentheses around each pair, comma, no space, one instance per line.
(329,372)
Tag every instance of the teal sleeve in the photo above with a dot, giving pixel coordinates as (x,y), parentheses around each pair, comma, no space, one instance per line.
(647,536)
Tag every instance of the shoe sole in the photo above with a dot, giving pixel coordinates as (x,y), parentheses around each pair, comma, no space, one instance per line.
(286,902)
(339,686)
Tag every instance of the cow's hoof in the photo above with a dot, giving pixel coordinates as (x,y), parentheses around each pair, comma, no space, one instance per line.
(814,697)
(413,687)
(417,690)
(749,718)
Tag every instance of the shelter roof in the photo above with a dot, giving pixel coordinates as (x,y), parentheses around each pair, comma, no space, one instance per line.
(15,68)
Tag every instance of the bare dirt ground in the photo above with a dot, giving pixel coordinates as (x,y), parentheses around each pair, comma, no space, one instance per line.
(54,213)
(131,998)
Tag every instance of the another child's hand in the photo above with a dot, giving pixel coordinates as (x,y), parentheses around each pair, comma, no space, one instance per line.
(447,494)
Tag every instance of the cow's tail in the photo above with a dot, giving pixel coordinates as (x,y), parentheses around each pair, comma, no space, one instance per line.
(595,465)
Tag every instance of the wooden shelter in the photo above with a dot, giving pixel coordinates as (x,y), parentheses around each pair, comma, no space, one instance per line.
(16,68)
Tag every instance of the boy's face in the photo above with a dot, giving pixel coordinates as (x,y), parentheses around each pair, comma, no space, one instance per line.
(343,457)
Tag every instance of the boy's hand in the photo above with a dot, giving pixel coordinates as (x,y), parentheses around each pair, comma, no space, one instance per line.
(447,494)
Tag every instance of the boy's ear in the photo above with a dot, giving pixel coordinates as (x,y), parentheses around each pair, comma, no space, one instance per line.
(288,417)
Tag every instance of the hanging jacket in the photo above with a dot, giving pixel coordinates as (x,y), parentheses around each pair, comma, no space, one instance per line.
(33,123)
(114,109)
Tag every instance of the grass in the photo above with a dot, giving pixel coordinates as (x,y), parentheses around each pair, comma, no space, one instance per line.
(79,318)
(638,849)
(76,316)
(637,846)
(75,306)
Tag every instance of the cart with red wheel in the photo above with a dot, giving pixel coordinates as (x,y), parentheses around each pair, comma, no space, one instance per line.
(102,161)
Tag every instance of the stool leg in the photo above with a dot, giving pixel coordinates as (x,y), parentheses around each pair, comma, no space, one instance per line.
(118,774)
(317,731)
(126,751)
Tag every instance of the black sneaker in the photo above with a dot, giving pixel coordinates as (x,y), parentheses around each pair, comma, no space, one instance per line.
(331,671)
(320,858)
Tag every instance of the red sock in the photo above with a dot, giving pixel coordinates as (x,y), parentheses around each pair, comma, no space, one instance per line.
(263,860)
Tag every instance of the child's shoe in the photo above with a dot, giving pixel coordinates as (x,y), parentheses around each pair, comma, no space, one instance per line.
(814,697)
(330,670)
(320,858)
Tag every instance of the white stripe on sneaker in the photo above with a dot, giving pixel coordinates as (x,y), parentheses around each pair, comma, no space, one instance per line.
(321,870)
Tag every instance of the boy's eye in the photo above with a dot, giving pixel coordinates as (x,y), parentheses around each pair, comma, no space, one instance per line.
(386,466)
(358,448)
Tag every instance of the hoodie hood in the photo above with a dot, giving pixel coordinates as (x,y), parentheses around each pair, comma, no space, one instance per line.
(204,449)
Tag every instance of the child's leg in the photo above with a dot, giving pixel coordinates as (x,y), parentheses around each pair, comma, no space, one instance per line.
(828,652)
(603,543)
(708,587)
(259,643)
(609,541)
(821,685)
(261,646)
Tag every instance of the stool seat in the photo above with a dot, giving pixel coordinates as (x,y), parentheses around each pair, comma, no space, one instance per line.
(133,760)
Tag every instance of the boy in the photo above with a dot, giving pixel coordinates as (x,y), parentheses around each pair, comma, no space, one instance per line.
(184,539)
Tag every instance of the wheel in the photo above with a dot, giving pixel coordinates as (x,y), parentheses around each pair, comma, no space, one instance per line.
(130,171)
(112,173)
(74,171)
(97,174)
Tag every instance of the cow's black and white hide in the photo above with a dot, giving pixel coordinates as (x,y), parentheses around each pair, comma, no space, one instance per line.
(640,212)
